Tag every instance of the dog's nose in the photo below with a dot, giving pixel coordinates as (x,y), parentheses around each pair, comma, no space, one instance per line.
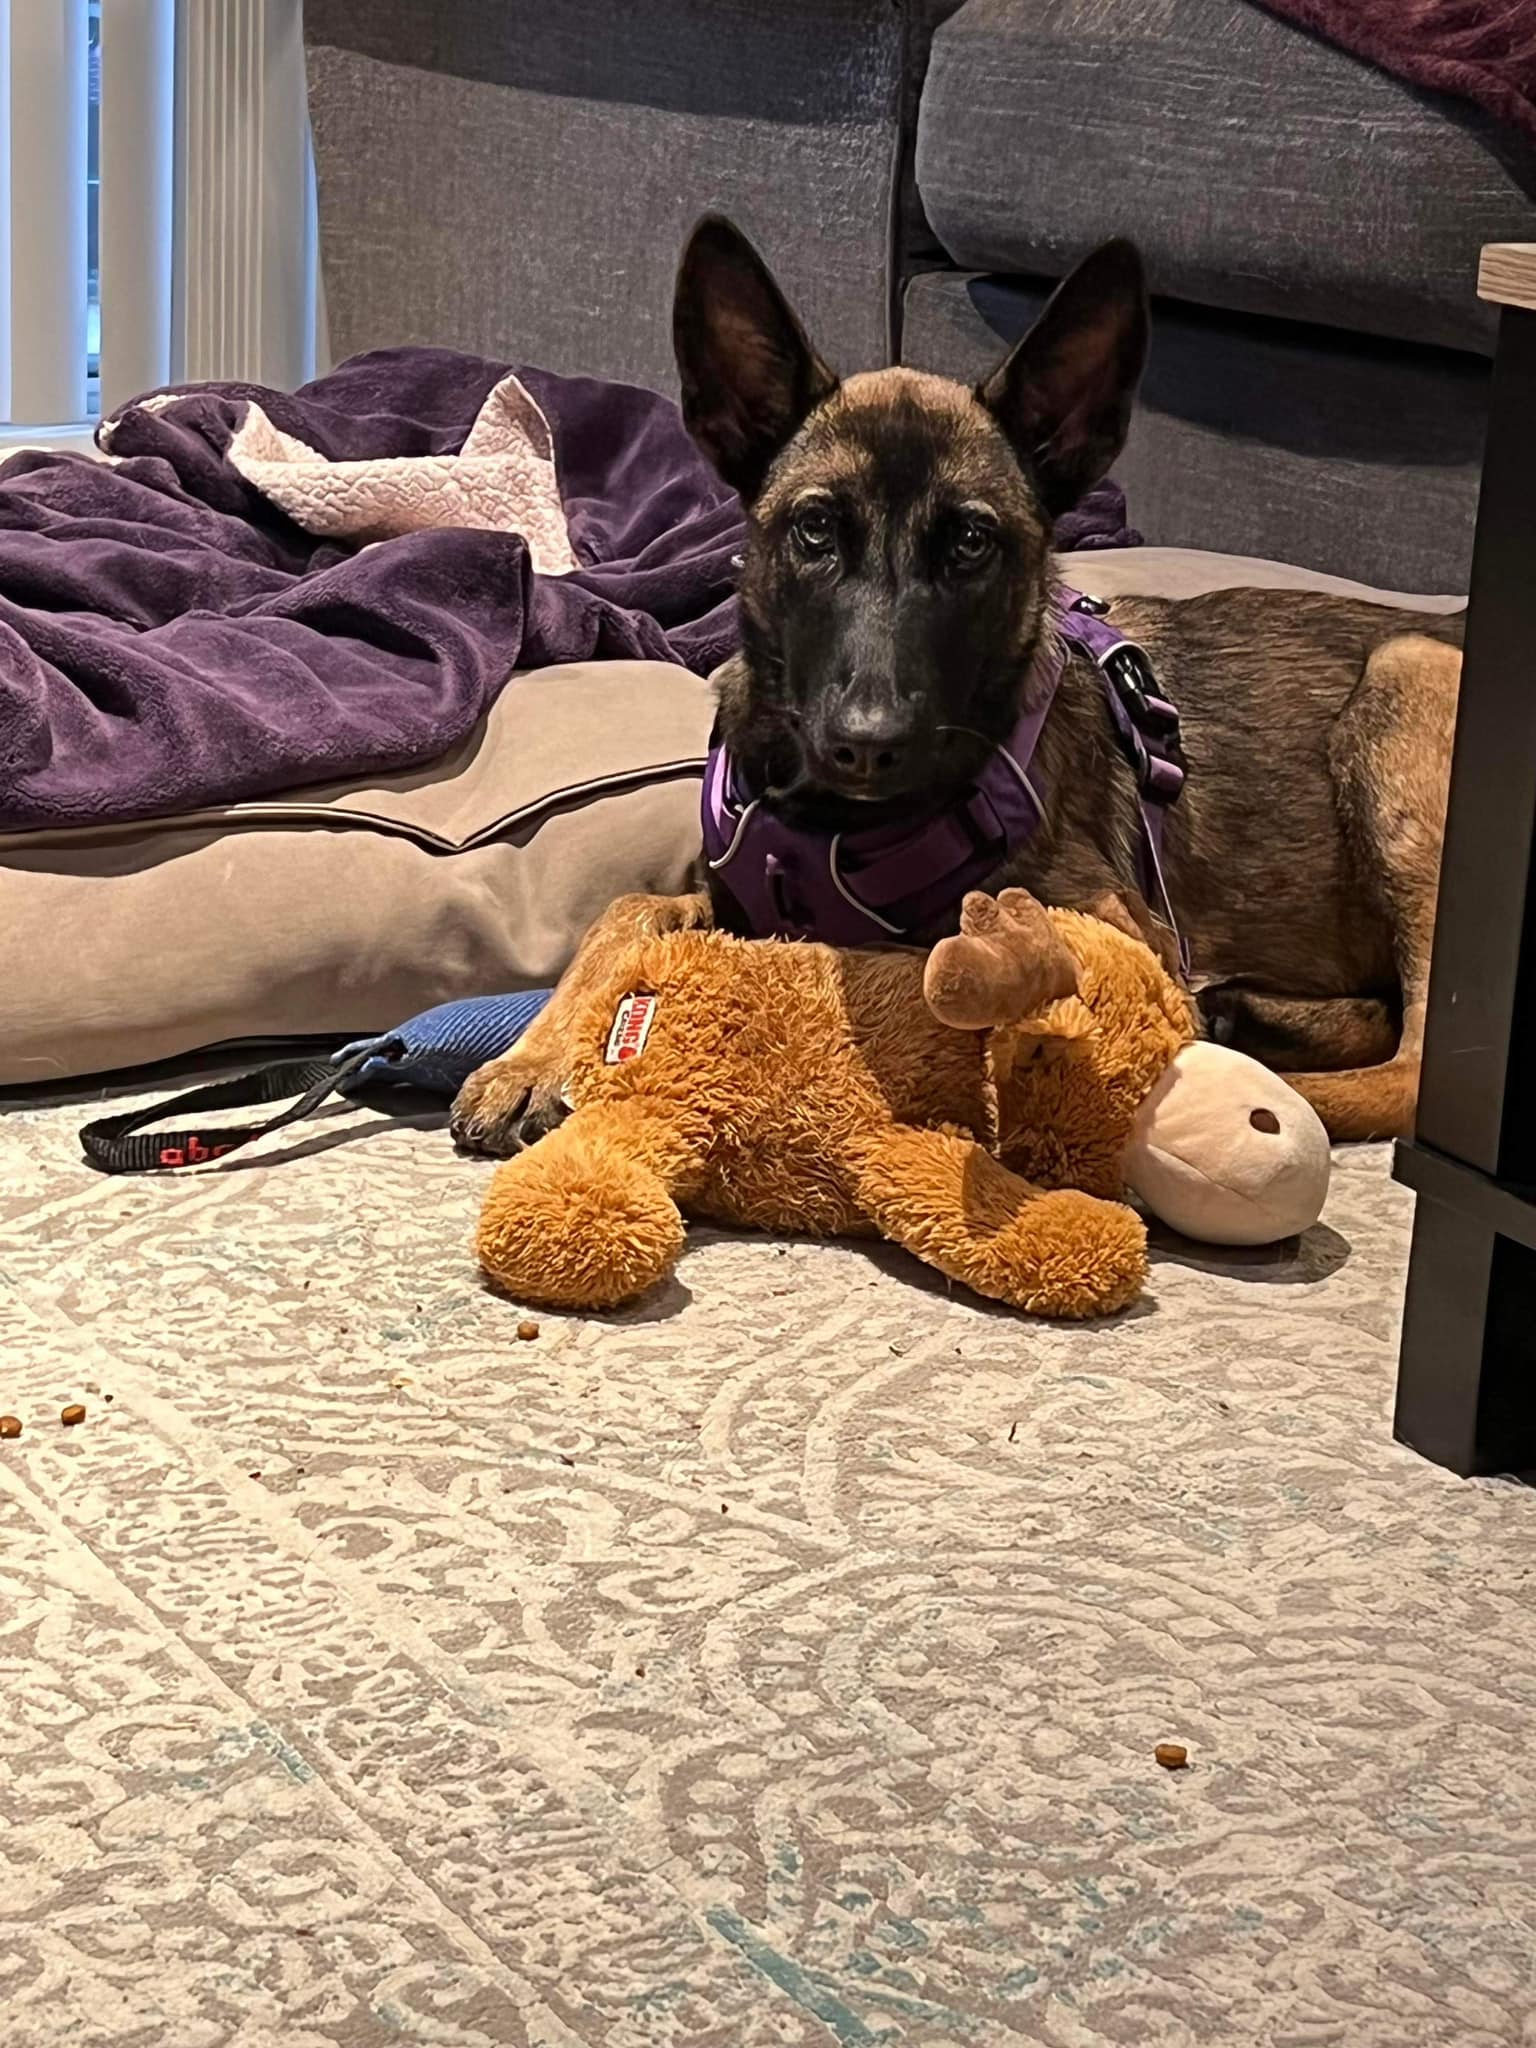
(866,741)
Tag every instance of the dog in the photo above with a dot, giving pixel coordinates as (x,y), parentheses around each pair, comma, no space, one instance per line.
(898,612)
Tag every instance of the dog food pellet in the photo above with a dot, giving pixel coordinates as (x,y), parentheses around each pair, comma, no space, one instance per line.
(10,1425)
(72,1414)
(527,1332)
(1173,1756)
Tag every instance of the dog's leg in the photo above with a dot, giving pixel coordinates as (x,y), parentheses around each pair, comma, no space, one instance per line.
(1128,911)
(511,1102)
(1294,1034)
(1391,760)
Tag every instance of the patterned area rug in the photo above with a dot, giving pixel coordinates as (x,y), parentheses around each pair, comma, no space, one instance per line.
(780,1665)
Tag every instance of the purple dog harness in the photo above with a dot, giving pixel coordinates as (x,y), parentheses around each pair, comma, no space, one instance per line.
(877,886)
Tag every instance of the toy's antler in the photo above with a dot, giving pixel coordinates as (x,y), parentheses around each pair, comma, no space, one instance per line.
(1004,964)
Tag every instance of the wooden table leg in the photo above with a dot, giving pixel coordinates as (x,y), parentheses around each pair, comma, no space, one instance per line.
(1466,1383)
(1466,1393)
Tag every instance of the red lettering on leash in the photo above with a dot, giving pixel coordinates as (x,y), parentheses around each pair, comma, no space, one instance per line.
(194,1155)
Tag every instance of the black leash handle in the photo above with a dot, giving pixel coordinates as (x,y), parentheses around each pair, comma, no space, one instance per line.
(121,1144)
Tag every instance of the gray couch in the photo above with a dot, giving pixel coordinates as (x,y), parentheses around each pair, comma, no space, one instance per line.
(516,176)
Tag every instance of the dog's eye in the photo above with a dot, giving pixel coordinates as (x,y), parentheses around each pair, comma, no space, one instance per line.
(970,543)
(814,532)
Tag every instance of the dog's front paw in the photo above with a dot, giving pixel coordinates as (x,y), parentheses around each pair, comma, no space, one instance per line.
(503,1108)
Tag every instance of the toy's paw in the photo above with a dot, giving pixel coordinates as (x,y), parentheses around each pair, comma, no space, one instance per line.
(1006,962)
(1081,1257)
(578,1225)
(504,1107)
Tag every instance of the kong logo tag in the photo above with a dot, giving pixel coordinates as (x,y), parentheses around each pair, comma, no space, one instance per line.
(631,1028)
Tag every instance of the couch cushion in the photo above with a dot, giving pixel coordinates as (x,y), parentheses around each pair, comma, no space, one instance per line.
(517,178)
(346,908)
(1260,169)
(1266,437)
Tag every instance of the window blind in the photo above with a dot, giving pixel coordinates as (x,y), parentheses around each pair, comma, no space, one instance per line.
(204,233)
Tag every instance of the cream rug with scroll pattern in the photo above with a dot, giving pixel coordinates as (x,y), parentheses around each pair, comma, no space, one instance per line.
(782,1665)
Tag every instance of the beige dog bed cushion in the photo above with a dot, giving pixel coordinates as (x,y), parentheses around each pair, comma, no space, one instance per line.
(345,909)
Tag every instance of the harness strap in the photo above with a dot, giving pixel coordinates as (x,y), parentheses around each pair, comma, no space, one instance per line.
(1146,724)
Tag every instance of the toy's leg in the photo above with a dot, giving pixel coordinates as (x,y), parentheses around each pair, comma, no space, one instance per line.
(1005,963)
(512,1101)
(949,1201)
(586,1219)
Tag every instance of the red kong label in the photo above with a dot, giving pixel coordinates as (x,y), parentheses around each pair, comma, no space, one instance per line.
(631,1028)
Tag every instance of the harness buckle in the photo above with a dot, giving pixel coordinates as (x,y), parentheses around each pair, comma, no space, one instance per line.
(1128,669)
(1148,725)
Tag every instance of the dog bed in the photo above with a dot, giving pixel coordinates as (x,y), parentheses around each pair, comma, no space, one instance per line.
(341,909)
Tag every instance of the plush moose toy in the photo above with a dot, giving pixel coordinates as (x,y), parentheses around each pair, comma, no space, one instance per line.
(988,1107)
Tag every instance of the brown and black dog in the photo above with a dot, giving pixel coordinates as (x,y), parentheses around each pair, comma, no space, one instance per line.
(894,600)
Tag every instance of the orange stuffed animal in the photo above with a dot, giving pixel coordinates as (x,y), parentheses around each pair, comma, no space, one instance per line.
(978,1107)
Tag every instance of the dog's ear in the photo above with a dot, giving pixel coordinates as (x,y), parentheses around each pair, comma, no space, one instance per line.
(1064,396)
(749,375)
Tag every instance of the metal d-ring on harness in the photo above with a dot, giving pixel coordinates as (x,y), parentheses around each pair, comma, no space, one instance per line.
(864,887)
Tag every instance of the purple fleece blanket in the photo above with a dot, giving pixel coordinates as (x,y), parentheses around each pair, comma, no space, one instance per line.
(171,637)
(1481,50)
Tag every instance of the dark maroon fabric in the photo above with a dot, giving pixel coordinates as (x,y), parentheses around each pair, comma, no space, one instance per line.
(168,639)
(1480,50)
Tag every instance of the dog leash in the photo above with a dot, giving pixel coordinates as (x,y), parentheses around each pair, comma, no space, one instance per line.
(436,1051)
